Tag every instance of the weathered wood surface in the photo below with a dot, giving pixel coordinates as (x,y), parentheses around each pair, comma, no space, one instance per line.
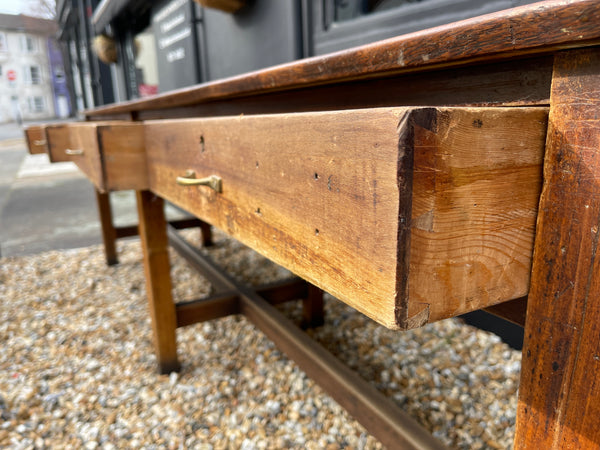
(124,156)
(522,82)
(227,303)
(111,154)
(332,197)
(537,28)
(109,232)
(155,246)
(559,394)
(36,139)
(77,143)
(476,185)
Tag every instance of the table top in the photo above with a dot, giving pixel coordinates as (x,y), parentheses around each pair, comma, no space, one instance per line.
(535,29)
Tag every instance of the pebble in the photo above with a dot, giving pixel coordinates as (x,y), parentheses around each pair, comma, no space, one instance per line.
(77,368)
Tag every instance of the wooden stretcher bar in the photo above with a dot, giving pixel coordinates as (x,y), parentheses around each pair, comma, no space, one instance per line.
(371,408)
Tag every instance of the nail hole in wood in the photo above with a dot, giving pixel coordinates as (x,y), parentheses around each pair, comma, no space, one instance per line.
(202,148)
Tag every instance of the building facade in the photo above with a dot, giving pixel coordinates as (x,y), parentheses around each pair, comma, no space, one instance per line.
(168,44)
(32,79)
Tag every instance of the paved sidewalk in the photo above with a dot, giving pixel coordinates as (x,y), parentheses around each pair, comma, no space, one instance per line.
(47,206)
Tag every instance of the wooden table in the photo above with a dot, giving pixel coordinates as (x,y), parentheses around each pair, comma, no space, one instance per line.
(416,179)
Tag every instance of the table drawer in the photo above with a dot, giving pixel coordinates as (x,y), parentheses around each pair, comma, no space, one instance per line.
(410,215)
(36,139)
(112,155)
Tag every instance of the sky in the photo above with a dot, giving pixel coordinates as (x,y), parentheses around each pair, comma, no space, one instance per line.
(16,6)
(13,6)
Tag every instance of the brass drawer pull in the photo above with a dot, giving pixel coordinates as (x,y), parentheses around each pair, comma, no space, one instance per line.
(189,179)
(39,142)
(76,151)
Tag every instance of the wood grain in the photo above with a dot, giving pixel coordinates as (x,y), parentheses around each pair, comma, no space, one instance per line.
(520,82)
(153,234)
(64,139)
(330,195)
(541,27)
(109,233)
(36,139)
(123,155)
(112,153)
(476,185)
(559,395)
(284,180)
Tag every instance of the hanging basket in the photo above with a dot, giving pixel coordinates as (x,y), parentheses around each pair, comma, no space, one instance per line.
(230,6)
(105,48)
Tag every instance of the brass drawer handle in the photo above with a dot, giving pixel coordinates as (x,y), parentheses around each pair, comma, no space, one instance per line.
(39,142)
(76,151)
(189,179)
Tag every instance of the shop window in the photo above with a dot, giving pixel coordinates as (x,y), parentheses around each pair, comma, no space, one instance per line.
(146,63)
(3,46)
(350,9)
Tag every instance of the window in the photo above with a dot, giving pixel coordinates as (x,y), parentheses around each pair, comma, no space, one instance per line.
(3,46)
(28,44)
(36,76)
(36,104)
(350,9)
(33,75)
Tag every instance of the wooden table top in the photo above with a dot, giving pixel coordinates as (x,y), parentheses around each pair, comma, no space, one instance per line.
(535,29)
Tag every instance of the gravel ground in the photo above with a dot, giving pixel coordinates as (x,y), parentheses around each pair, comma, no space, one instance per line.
(77,368)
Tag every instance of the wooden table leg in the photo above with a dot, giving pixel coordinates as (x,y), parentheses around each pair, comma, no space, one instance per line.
(109,234)
(206,234)
(312,308)
(153,234)
(559,395)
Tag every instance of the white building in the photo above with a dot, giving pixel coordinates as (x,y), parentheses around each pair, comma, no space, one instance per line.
(26,91)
